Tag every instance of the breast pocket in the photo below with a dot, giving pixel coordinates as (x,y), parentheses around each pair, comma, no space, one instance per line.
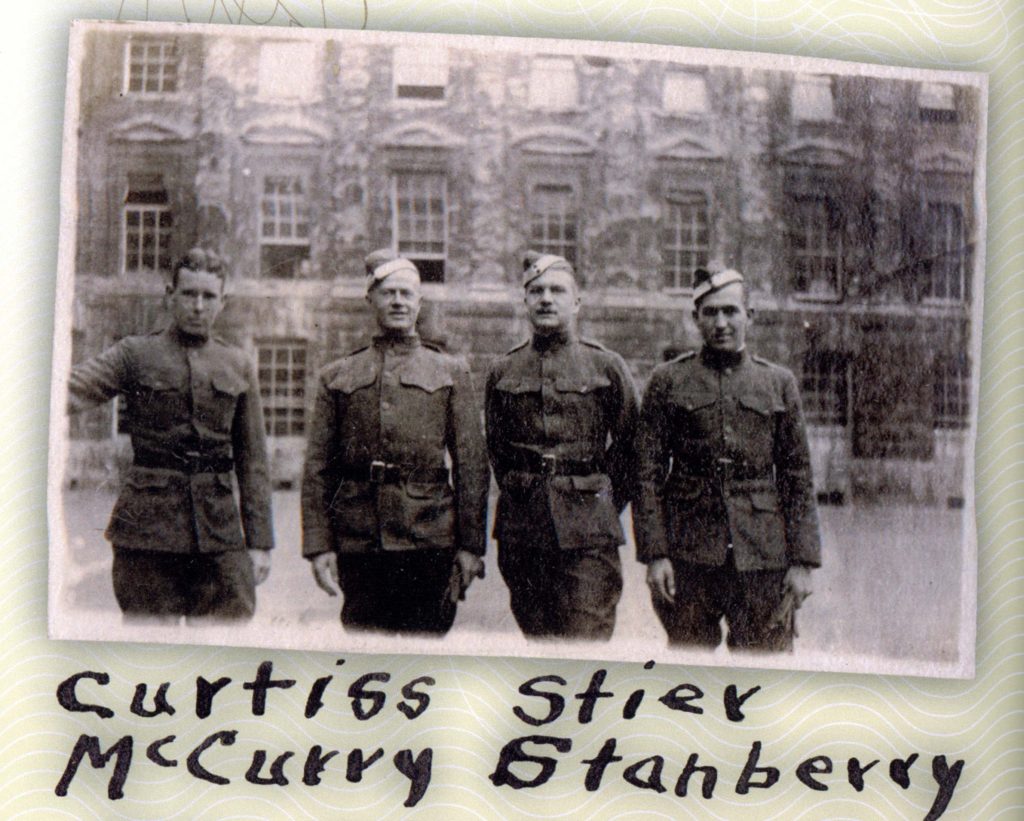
(755,425)
(158,401)
(519,403)
(218,411)
(694,415)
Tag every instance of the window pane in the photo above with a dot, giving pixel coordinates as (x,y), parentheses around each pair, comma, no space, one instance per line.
(419,220)
(812,97)
(282,386)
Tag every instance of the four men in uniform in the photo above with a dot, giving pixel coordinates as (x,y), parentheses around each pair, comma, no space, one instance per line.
(395,484)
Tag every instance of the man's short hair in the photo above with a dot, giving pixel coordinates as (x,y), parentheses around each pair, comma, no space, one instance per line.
(200,259)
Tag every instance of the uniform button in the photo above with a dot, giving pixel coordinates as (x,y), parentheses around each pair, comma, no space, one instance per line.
(728,428)
(385,405)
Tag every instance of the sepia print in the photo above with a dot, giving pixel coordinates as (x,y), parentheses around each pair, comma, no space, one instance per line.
(844,202)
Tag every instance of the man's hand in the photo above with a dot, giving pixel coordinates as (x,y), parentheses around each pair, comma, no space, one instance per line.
(325,571)
(661,579)
(470,567)
(260,565)
(798,579)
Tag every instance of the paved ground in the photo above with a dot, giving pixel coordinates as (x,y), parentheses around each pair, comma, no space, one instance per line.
(890,586)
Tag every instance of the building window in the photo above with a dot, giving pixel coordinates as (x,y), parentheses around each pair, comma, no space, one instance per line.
(825,388)
(684,92)
(936,103)
(151,67)
(553,83)
(813,98)
(420,73)
(945,264)
(685,238)
(419,218)
(816,246)
(951,392)
(146,224)
(284,226)
(282,377)
(288,71)
(554,223)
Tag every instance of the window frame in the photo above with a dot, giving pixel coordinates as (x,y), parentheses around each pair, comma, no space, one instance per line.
(147,42)
(537,72)
(294,401)
(292,176)
(401,64)
(158,209)
(673,73)
(546,244)
(397,240)
(832,232)
(960,255)
(311,95)
(826,392)
(816,82)
(951,389)
(670,200)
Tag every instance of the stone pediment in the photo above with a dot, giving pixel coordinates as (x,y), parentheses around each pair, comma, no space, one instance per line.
(944,160)
(688,147)
(818,151)
(554,140)
(152,130)
(286,130)
(420,134)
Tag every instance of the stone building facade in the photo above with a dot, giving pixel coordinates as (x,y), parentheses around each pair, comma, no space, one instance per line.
(848,201)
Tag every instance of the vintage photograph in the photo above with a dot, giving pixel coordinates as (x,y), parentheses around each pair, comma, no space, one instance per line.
(385,342)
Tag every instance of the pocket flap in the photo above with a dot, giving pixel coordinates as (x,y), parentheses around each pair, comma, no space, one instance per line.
(429,378)
(758,403)
(229,383)
(686,489)
(354,378)
(157,382)
(518,384)
(590,484)
(581,383)
(765,500)
(695,401)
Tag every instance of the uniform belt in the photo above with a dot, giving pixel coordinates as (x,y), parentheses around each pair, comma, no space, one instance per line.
(385,473)
(728,470)
(188,462)
(549,464)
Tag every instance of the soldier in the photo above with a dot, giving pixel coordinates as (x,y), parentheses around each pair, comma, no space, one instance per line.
(725,520)
(382,515)
(194,417)
(560,414)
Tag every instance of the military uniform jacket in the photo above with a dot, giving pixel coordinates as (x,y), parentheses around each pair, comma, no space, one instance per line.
(187,405)
(724,462)
(405,406)
(561,402)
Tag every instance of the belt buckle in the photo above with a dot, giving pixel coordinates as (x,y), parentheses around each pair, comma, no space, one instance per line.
(377,471)
(549,463)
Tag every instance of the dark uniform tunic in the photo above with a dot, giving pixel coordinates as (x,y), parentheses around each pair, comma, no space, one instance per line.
(561,414)
(194,418)
(725,493)
(376,487)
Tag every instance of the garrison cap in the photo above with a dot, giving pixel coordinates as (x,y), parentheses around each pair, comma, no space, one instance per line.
(383,263)
(535,264)
(705,282)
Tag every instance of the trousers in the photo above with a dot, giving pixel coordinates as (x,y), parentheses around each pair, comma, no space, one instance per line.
(404,591)
(747,599)
(200,585)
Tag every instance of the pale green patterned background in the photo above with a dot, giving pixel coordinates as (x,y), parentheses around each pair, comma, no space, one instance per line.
(796,715)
